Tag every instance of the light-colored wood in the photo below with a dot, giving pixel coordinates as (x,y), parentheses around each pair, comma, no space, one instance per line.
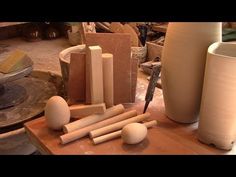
(117,134)
(106,137)
(108,83)
(118,125)
(57,113)
(85,131)
(113,111)
(153,51)
(160,28)
(81,110)
(96,74)
(134,37)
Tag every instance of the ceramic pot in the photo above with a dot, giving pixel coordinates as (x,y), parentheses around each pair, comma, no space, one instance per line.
(217,123)
(183,64)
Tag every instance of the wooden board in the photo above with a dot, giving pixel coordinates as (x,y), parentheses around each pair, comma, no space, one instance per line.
(167,137)
(120,46)
(76,83)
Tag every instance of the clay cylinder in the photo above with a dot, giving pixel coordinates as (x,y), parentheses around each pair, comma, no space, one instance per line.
(110,112)
(183,66)
(217,122)
(118,125)
(108,79)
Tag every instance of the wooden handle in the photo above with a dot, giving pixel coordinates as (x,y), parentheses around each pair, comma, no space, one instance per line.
(117,134)
(118,125)
(85,131)
(77,111)
(113,111)
(12,133)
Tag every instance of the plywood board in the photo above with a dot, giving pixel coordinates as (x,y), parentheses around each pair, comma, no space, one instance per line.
(76,83)
(120,46)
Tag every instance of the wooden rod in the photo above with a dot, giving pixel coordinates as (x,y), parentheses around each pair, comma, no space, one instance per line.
(117,134)
(118,125)
(66,138)
(113,111)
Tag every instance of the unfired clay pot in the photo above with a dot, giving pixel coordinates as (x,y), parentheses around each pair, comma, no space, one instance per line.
(183,64)
(217,123)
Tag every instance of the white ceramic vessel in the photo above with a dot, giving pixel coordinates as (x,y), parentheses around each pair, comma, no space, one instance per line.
(217,123)
(183,65)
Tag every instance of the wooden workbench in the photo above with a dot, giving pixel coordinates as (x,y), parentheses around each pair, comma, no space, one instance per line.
(167,137)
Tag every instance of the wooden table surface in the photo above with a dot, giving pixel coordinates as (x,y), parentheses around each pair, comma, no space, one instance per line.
(168,137)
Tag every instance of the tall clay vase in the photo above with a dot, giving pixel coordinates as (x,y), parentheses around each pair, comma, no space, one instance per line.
(183,64)
(217,121)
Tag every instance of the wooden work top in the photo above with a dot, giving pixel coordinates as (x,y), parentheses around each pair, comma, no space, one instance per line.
(168,137)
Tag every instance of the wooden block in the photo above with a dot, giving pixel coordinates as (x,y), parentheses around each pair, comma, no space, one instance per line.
(17,61)
(134,37)
(94,54)
(108,79)
(117,27)
(153,51)
(86,110)
(120,46)
(76,82)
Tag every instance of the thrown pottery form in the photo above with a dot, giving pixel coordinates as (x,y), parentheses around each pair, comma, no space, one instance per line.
(183,65)
(217,120)
(57,113)
(133,133)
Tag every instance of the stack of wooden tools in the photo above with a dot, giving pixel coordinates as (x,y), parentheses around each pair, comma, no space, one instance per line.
(100,79)
(99,123)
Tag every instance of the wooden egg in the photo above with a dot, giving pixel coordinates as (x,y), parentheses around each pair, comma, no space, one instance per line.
(57,113)
(134,133)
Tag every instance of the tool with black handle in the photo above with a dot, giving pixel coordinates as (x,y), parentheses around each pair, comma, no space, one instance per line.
(152,85)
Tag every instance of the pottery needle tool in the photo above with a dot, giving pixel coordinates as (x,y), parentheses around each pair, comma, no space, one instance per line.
(152,85)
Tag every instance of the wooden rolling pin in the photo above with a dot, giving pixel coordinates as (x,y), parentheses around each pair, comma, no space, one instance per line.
(118,125)
(113,111)
(77,111)
(85,131)
(117,134)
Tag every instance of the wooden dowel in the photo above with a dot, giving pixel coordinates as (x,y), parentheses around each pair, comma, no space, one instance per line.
(111,112)
(107,59)
(118,125)
(86,110)
(117,134)
(85,131)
